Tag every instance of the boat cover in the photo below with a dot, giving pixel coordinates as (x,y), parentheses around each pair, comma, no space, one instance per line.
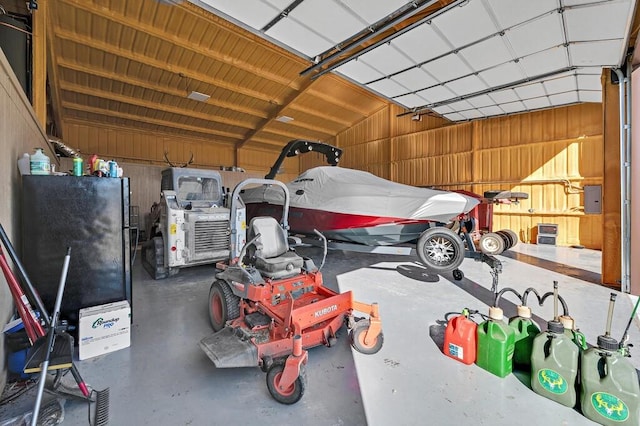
(349,191)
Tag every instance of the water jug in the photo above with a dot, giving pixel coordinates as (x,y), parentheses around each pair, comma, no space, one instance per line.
(525,331)
(40,163)
(554,365)
(460,339)
(495,344)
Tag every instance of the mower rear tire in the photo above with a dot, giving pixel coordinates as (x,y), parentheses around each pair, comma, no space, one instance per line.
(357,335)
(286,396)
(223,305)
(440,249)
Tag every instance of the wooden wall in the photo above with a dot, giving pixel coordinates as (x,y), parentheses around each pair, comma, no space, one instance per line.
(20,133)
(146,148)
(548,154)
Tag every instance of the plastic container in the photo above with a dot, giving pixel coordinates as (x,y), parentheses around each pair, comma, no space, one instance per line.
(610,392)
(93,163)
(113,169)
(77,166)
(18,346)
(460,339)
(24,164)
(554,365)
(525,330)
(496,344)
(609,383)
(40,164)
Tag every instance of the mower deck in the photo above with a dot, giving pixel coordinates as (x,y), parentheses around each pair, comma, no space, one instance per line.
(228,350)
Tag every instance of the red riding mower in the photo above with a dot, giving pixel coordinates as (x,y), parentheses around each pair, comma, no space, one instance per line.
(268,306)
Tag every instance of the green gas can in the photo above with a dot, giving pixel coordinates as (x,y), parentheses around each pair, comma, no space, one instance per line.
(609,383)
(495,344)
(525,330)
(554,365)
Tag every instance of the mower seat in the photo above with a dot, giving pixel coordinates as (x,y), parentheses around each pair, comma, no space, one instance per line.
(272,256)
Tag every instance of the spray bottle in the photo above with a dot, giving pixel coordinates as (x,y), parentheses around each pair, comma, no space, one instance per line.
(610,390)
(554,361)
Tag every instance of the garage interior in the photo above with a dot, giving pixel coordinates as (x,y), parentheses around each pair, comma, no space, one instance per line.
(473,95)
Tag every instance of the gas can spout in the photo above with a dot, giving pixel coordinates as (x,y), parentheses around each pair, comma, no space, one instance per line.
(555,300)
(612,302)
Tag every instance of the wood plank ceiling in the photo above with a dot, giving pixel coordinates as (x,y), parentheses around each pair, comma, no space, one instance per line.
(132,63)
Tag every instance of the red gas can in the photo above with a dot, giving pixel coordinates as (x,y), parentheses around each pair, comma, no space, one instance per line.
(460,339)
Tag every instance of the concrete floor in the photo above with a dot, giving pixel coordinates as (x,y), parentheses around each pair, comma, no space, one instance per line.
(164,378)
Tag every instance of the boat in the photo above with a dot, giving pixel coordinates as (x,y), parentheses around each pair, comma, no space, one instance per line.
(358,207)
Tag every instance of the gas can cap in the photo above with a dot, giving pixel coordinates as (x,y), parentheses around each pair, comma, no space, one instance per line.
(555,327)
(608,343)
(567,322)
(496,313)
(524,311)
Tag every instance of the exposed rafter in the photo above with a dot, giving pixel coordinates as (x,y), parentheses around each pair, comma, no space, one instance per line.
(275,113)
(163,65)
(111,113)
(122,78)
(128,22)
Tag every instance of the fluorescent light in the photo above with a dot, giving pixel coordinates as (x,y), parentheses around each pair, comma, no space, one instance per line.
(284,119)
(197,96)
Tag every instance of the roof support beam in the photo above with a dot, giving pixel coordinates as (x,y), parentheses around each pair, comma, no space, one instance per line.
(275,112)
(123,78)
(153,62)
(129,22)
(163,123)
(39,61)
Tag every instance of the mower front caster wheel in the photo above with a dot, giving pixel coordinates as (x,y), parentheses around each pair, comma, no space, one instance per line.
(358,334)
(457,274)
(293,393)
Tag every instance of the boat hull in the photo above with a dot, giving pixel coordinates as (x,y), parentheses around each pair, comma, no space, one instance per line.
(360,229)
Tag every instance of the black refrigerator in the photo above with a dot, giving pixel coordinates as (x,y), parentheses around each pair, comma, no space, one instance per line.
(90,215)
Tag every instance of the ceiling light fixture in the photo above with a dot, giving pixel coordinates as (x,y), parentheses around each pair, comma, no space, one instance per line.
(284,119)
(197,96)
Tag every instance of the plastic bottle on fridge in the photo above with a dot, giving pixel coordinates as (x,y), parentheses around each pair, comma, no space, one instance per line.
(40,164)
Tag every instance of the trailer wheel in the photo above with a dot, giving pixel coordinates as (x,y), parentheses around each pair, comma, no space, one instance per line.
(223,305)
(357,339)
(491,243)
(513,235)
(507,238)
(294,392)
(440,249)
